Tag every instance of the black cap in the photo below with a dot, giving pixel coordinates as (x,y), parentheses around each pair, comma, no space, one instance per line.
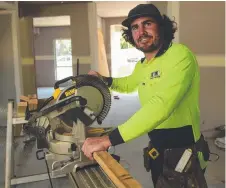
(142,10)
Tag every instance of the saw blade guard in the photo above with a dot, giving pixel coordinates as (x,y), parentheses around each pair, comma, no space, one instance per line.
(94,90)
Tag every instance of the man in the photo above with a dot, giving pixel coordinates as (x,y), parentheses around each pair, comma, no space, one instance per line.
(167,80)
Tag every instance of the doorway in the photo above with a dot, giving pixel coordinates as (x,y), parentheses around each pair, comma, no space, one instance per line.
(123,55)
(52,51)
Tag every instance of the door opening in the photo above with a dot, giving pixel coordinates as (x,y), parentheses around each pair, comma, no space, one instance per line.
(123,55)
(53,52)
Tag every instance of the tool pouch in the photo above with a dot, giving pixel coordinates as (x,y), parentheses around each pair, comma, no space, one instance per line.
(192,176)
(172,179)
(147,159)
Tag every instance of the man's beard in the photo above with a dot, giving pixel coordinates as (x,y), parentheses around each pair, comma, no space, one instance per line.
(154,46)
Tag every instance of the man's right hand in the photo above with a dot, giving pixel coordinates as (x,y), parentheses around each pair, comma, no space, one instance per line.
(94,73)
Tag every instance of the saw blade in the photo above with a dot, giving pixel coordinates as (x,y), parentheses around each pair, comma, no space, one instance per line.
(96,82)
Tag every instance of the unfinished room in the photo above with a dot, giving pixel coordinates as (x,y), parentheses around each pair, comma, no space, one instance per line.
(106,94)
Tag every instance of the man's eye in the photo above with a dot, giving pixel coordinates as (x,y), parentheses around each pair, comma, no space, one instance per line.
(148,24)
(134,28)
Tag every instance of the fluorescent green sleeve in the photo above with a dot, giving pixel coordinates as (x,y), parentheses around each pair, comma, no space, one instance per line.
(168,93)
(126,84)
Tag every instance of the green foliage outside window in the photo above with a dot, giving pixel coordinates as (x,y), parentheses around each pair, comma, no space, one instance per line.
(63,47)
(124,44)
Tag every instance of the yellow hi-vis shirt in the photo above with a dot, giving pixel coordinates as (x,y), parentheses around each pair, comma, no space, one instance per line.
(168,88)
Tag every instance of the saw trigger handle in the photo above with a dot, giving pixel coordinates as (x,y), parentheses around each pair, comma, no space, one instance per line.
(57,84)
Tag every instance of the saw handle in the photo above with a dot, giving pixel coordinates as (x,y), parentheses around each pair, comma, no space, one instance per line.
(57,84)
(46,102)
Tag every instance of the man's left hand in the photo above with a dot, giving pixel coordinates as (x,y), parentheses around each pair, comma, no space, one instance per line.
(95,144)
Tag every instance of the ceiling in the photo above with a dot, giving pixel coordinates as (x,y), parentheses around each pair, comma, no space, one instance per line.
(115,8)
(7,5)
(105,9)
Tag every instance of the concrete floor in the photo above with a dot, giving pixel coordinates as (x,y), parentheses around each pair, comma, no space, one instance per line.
(131,153)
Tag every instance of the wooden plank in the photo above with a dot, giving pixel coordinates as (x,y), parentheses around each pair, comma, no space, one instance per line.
(24,98)
(102,56)
(119,176)
(22,104)
(33,103)
(34,96)
(21,109)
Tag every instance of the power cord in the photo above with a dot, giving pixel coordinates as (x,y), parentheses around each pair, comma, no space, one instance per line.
(50,180)
(217,157)
(47,167)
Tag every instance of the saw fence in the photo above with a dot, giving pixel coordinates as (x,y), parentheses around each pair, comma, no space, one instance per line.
(117,174)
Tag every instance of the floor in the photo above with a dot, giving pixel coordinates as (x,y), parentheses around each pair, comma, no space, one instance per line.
(130,153)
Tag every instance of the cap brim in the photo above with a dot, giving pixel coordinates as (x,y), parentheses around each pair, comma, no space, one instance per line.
(130,19)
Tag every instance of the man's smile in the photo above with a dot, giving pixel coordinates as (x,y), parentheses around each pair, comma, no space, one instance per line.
(144,39)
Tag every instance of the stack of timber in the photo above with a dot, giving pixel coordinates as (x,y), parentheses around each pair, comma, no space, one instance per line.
(27,103)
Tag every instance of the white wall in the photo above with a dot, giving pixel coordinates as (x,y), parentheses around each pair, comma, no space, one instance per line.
(7,79)
(99,22)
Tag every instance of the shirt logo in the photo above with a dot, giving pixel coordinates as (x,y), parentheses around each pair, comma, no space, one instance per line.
(155,74)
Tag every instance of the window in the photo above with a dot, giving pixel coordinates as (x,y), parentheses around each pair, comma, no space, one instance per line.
(123,55)
(132,54)
(63,59)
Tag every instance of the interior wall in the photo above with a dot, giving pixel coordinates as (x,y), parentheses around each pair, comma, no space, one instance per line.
(78,13)
(7,79)
(27,55)
(161,5)
(99,22)
(204,33)
(44,53)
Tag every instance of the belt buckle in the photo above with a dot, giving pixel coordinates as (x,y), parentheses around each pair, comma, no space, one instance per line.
(153,153)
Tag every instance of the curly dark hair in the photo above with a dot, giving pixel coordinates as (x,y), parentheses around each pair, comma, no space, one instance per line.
(167,30)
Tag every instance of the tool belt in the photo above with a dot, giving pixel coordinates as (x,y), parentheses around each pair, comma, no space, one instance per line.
(191,175)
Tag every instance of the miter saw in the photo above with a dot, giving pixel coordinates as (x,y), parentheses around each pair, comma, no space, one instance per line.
(61,123)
